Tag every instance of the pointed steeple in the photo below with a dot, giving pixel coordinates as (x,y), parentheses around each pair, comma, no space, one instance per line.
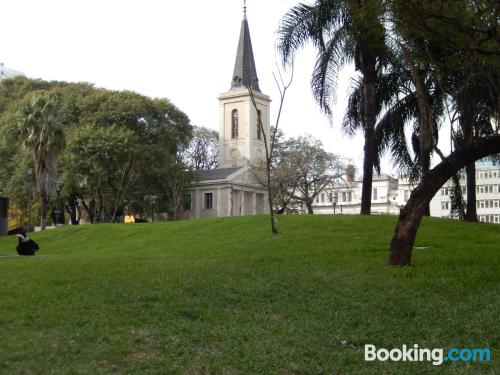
(245,73)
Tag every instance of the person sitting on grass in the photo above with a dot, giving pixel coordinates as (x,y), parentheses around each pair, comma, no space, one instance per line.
(26,246)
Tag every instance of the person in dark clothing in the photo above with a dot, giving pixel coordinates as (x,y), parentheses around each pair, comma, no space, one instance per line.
(26,246)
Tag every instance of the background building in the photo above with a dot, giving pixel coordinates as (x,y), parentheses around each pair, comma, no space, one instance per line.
(234,189)
(487,192)
(390,194)
(8,73)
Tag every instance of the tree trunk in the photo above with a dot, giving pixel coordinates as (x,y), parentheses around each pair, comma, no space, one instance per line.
(309,206)
(274,229)
(73,209)
(466,123)
(43,214)
(426,141)
(411,214)
(471,211)
(370,149)
(425,160)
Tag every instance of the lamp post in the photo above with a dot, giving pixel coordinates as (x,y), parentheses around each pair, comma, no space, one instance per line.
(58,209)
(30,175)
(153,203)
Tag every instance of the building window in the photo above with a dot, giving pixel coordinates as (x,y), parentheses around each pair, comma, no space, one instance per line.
(322,198)
(375,194)
(344,196)
(209,201)
(259,117)
(349,196)
(445,206)
(234,124)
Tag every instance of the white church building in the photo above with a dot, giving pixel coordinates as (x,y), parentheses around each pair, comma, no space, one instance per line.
(233,189)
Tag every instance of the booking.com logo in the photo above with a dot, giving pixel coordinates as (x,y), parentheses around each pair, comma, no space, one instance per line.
(436,356)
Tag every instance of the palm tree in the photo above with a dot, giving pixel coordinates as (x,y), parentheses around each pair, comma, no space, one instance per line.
(342,31)
(42,134)
(475,106)
(397,108)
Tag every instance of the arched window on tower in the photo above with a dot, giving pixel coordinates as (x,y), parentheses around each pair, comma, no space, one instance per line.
(259,123)
(234,124)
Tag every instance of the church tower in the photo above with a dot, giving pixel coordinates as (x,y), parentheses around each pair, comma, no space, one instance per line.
(241,142)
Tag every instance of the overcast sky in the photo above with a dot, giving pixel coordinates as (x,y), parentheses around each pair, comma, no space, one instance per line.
(181,50)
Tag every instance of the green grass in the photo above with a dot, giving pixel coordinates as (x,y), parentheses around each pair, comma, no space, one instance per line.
(224,296)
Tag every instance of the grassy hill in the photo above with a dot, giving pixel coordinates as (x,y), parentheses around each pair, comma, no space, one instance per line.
(224,296)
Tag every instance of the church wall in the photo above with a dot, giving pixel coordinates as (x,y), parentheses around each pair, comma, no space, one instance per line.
(234,152)
(260,203)
(257,147)
(246,149)
(248,203)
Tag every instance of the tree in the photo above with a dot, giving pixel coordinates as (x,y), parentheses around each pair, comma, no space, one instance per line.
(311,167)
(103,164)
(156,124)
(474,110)
(270,142)
(467,28)
(411,215)
(397,108)
(43,135)
(202,152)
(174,184)
(342,31)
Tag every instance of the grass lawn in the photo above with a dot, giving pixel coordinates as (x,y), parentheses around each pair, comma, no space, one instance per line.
(224,296)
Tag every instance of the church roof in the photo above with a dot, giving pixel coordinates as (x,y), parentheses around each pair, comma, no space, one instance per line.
(217,174)
(245,73)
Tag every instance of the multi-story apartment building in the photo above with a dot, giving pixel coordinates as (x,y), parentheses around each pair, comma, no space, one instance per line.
(487,193)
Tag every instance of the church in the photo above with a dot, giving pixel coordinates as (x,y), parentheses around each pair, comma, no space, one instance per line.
(233,189)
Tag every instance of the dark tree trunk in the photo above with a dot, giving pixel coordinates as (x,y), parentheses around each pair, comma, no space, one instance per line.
(309,206)
(91,210)
(43,213)
(426,165)
(73,209)
(471,211)
(370,149)
(411,214)
(466,122)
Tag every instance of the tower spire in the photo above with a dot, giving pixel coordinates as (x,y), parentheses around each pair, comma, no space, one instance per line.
(245,72)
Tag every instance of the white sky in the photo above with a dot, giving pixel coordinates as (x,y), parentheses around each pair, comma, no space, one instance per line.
(181,50)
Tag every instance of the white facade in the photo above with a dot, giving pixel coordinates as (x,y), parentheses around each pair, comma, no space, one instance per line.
(390,194)
(347,197)
(238,194)
(487,193)
(245,146)
(8,73)
(233,189)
